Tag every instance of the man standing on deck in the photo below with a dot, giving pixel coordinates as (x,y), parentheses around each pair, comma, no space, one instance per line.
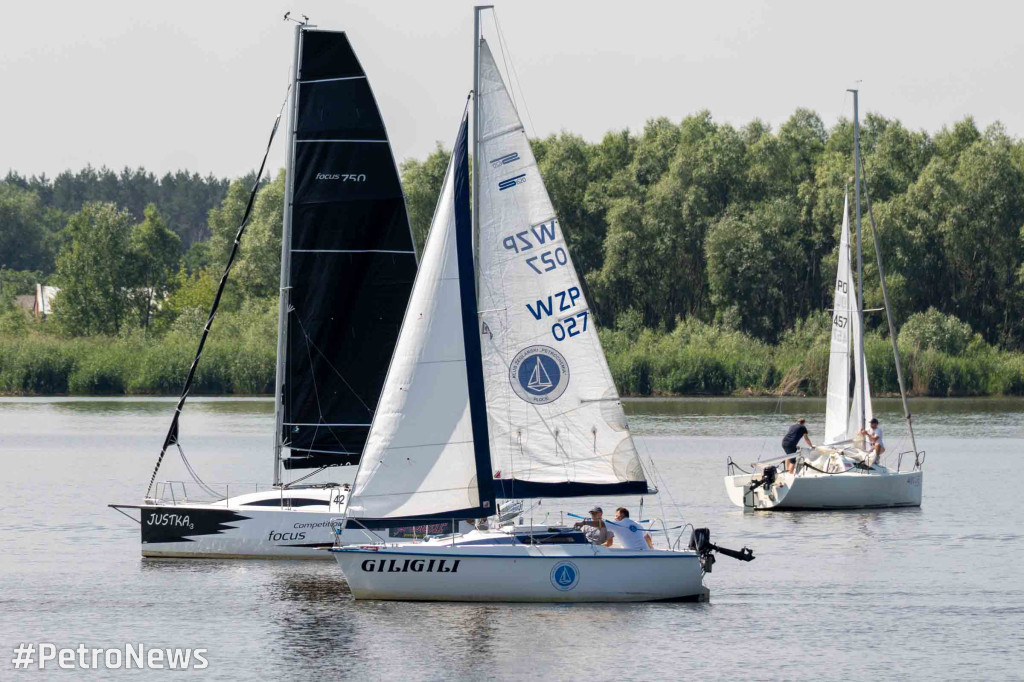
(792,439)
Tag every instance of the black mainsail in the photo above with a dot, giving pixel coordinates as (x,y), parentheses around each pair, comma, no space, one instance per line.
(348,260)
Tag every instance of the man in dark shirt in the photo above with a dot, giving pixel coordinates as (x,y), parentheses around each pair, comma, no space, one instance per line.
(792,439)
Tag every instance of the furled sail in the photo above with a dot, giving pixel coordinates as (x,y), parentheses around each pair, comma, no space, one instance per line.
(427,453)
(556,424)
(837,402)
(350,263)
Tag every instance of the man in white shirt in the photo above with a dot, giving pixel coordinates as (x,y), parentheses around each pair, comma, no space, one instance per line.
(628,533)
(875,440)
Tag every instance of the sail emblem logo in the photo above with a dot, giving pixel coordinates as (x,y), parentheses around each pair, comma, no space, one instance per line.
(539,374)
(509,183)
(503,160)
(565,576)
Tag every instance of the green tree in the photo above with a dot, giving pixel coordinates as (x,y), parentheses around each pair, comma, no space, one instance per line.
(421,182)
(23,235)
(752,261)
(156,252)
(95,271)
(256,272)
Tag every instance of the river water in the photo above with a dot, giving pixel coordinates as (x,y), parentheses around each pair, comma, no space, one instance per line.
(929,593)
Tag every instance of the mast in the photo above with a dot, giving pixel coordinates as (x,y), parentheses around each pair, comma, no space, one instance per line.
(476,128)
(860,262)
(286,253)
(892,325)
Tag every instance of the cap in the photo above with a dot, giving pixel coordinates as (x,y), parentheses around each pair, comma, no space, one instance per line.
(597,510)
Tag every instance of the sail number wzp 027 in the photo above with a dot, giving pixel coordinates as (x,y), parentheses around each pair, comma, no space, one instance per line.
(536,237)
(543,261)
(560,302)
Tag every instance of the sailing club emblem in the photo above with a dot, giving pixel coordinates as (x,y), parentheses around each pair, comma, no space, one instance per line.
(565,576)
(539,374)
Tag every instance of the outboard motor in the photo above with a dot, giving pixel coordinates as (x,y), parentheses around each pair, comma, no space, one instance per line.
(700,542)
(767,479)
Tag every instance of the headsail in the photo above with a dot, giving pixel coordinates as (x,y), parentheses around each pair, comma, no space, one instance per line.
(427,454)
(837,403)
(350,263)
(557,426)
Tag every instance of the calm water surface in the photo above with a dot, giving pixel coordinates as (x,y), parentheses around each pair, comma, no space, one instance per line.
(929,593)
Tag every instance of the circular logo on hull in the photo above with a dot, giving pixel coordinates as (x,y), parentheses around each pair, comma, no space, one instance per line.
(565,576)
(539,374)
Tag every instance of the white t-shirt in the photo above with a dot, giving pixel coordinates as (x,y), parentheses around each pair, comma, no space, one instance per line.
(628,534)
(877,432)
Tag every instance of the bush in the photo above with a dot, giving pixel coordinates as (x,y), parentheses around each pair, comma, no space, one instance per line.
(102,370)
(932,330)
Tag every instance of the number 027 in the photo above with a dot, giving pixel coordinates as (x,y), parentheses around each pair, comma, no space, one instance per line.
(570,326)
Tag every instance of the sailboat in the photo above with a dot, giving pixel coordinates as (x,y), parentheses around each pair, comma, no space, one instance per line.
(846,472)
(499,389)
(347,267)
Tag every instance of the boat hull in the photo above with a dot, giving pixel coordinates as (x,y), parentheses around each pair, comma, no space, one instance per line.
(210,532)
(570,573)
(851,490)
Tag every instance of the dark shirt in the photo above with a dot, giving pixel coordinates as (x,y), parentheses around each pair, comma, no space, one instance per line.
(793,436)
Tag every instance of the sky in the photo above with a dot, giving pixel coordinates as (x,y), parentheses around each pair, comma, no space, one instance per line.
(196,85)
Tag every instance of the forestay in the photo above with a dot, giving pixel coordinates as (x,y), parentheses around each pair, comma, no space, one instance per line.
(837,403)
(556,423)
(426,456)
(350,262)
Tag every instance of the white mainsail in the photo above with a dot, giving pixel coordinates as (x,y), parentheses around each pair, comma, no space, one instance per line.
(556,425)
(837,401)
(420,459)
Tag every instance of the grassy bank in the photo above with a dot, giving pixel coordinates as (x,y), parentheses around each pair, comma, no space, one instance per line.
(693,359)
(699,359)
(238,359)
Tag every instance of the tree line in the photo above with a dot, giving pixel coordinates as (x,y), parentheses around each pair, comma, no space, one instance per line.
(739,226)
(733,229)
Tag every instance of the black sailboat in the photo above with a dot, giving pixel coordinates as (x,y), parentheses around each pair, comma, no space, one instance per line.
(347,267)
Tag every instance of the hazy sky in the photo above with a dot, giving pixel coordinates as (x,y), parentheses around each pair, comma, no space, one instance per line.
(183,84)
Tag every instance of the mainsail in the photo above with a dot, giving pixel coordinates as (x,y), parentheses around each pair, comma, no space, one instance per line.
(349,264)
(557,427)
(837,402)
(427,455)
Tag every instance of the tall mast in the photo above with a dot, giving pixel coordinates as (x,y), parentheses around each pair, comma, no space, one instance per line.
(476,128)
(286,261)
(860,264)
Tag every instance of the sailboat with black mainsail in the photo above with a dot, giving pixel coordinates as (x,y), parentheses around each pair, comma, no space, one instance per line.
(845,472)
(347,267)
(499,389)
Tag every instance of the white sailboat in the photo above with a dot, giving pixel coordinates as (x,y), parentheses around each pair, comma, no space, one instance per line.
(845,472)
(498,389)
(347,266)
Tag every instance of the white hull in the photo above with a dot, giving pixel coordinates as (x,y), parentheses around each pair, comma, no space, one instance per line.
(435,571)
(256,526)
(856,489)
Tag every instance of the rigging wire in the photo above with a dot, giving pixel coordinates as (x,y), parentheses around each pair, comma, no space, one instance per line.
(503,43)
(172,431)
